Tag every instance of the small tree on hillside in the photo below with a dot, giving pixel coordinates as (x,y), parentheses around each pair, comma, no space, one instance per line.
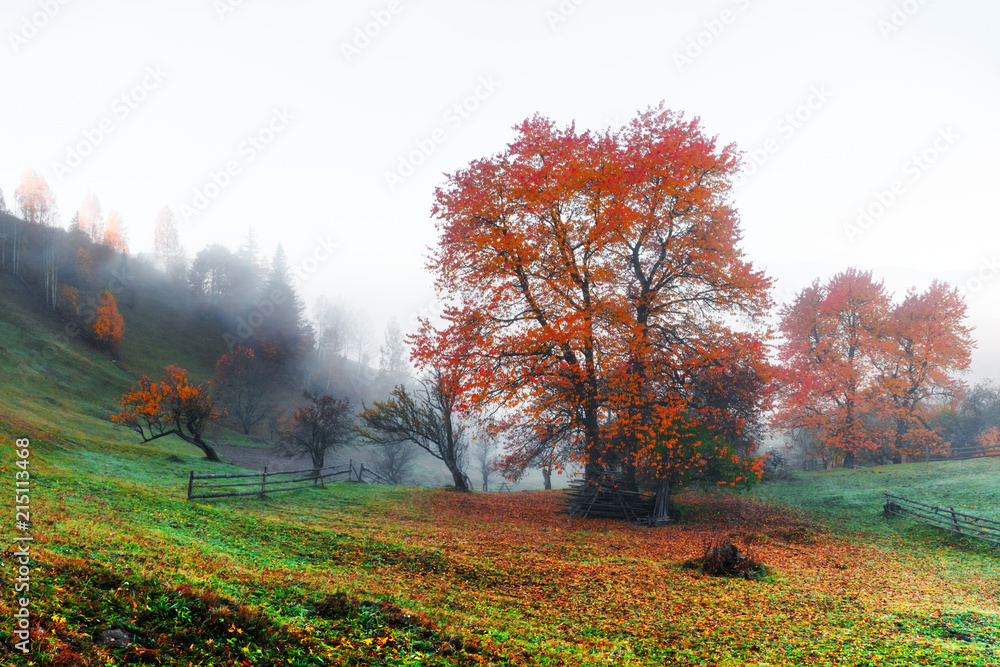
(427,418)
(173,407)
(244,386)
(323,424)
(109,325)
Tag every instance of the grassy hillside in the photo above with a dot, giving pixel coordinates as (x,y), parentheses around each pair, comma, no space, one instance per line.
(365,575)
(853,499)
(354,574)
(159,332)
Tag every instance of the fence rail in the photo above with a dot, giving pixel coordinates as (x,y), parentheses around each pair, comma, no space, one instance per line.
(967,525)
(269,482)
(964,453)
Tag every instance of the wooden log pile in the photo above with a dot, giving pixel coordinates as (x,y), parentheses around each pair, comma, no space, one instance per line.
(607,499)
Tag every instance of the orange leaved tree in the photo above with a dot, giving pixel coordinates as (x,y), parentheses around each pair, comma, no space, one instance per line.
(830,348)
(109,325)
(172,407)
(860,373)
(926,343)
(580,272)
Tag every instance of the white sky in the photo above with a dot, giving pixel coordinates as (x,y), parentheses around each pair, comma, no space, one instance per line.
(226,69)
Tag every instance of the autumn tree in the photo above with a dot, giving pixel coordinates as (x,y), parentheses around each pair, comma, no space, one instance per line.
(320,425)
(35,202)
(172,407)
(860,374)
(114,235)
(244,384)
(731,390)
(428,417)
(926,344)
(593,263)
(108,324)
(830,350)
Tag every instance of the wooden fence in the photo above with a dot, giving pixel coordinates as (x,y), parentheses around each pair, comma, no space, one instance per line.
(966,525)
(269,482)
(964,453)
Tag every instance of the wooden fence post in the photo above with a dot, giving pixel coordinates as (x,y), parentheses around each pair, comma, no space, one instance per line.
(263,482)
(190,484)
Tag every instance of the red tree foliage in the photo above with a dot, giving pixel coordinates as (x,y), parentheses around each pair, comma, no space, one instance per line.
(860,373)
(583,272)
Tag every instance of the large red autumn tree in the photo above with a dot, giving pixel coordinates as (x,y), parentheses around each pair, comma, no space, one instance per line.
(583,272)
(860,373)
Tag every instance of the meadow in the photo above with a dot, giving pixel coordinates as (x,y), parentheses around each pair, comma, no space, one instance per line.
(362,574)
(357,574)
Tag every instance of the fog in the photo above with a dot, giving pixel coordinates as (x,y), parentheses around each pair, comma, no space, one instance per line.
(326,127)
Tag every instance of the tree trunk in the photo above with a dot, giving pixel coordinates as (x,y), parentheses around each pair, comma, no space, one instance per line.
(849,460)
(592,466)
(210,453)
(318,458)
(457,475)
(547,476)
(661,505)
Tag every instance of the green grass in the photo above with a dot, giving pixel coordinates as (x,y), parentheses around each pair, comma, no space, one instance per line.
(854,498)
